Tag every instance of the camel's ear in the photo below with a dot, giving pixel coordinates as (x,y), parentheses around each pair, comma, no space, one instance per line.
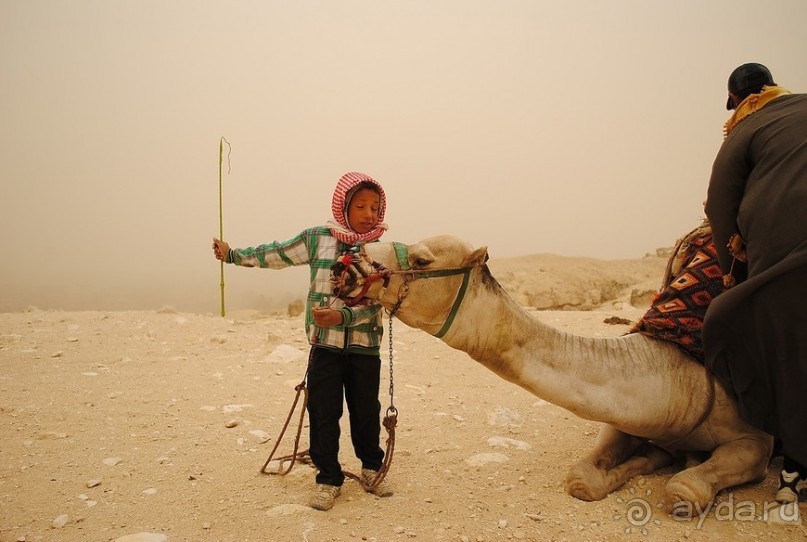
(477,257)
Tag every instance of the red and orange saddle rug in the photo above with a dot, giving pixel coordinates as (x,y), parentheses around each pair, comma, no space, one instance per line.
(693,278)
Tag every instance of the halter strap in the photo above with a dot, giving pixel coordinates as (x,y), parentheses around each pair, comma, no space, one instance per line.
(402,255)
(456,307)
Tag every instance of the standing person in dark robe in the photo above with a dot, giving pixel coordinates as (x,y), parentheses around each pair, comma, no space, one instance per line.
(755,334)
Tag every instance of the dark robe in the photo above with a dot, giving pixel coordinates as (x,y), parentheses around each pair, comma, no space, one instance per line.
(755,334)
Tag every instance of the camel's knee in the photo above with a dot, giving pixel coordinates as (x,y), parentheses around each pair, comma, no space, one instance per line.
(744,460)
(585,482)
(588,481)
(687,495)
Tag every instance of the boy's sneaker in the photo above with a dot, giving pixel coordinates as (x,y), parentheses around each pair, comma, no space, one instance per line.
(384,489)
(791,486)
(325,496)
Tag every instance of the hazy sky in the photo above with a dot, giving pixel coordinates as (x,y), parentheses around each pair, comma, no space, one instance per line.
(583,128)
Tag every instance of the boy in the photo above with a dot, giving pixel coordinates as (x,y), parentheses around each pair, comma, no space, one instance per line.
(344,341)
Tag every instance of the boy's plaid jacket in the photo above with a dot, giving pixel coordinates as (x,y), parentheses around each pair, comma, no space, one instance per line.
(362,329)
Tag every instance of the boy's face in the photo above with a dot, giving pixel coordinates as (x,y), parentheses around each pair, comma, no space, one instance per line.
(362,212)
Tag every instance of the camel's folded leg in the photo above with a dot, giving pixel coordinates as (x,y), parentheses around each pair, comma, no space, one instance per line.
(611,463)
(690,492)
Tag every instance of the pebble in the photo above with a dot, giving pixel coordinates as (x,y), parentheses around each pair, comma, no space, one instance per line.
(93,483)
(479,460)
(150,491)
(504,416)
(229,409)
(60,521)
(284,354)
(505,442)
(143,537)
(112,461)
(51,435)
(262,436)
(230,424)
(288,510)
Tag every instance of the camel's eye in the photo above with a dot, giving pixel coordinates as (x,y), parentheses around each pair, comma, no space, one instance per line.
(421,263)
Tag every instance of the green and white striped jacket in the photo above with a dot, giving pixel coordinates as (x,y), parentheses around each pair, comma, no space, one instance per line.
(362,329)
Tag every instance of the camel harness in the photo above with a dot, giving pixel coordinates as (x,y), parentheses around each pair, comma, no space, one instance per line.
(348,275)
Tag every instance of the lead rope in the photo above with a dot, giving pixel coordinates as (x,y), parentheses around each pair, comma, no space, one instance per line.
(390,422)
(304,456)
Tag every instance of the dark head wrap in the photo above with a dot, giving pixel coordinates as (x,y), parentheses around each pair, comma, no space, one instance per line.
(746,80)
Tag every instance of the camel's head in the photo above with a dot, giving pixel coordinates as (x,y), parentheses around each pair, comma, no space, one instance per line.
(423,284)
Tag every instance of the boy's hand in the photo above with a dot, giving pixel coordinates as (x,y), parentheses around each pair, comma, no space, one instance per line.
(325,317)
(220,249)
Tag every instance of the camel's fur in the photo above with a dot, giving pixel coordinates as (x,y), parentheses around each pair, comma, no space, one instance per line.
(649,395)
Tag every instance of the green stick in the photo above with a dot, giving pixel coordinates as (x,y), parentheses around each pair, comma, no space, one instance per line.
(222,141)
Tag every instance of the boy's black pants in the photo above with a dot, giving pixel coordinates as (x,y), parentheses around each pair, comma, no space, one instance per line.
(358,375)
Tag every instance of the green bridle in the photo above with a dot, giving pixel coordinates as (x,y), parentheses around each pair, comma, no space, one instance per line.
(402,255)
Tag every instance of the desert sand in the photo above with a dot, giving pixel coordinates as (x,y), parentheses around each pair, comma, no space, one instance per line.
(153,426)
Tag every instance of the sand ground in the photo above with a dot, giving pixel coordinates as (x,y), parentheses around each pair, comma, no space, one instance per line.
(153,426)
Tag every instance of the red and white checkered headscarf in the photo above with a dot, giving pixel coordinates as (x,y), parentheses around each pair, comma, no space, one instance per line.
(344,191)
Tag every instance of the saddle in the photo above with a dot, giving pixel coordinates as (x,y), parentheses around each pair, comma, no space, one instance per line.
(691,280)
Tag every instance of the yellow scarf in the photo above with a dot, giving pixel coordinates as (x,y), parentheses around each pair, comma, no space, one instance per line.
(752,104)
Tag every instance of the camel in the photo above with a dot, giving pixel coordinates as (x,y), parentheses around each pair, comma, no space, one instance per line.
(656,404)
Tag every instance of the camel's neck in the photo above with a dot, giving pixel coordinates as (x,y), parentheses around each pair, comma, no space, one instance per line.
(588,376)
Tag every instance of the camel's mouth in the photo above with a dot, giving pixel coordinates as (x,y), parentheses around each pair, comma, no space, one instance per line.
(352,277)
(345,281)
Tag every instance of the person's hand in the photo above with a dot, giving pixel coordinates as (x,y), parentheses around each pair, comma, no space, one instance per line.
(220,249)
(736,248)
(325,317)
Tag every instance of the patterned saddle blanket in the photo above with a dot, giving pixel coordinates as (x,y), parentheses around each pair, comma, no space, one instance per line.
(692,279)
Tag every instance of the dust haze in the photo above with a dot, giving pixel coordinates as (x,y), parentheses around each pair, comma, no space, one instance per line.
(577,128)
